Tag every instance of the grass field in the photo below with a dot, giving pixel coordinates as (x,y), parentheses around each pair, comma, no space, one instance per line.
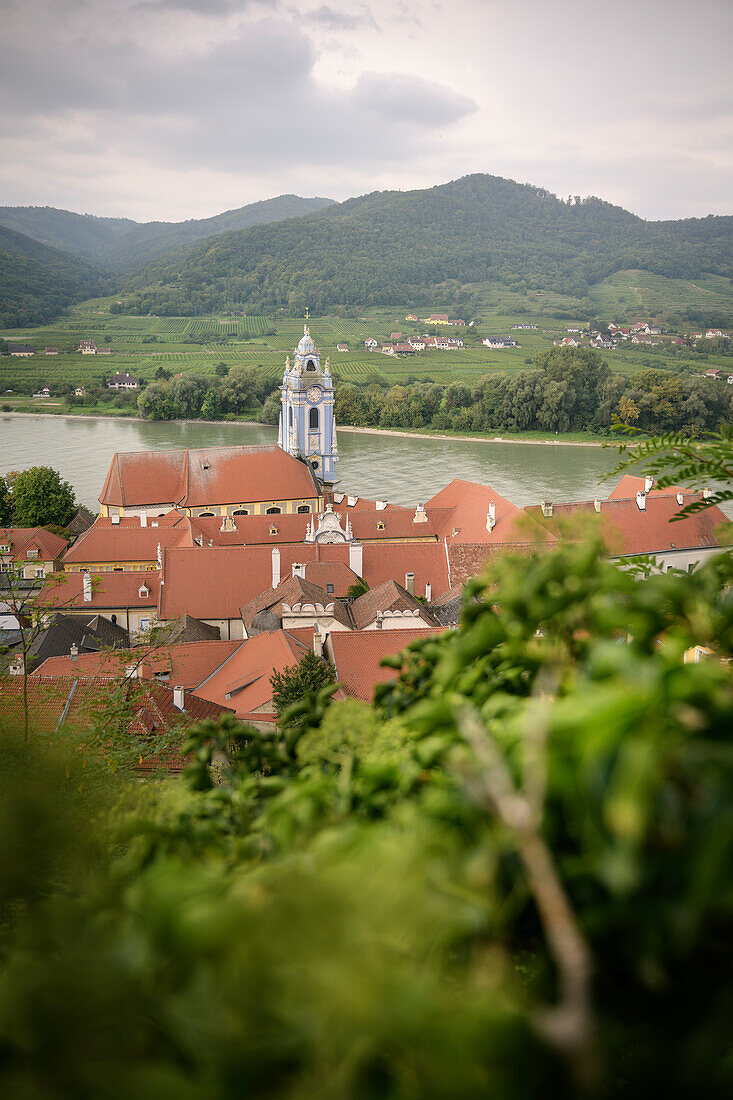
(143,344)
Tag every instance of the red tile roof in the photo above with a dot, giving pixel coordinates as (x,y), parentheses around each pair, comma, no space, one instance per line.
(109,590)
(627,530)
(207,476)
(185,663)
(77,700)
(106,542)
(388,596)
(243,681)
(50,546)
(357,656)
(467,507)
(629,486)
(335,573)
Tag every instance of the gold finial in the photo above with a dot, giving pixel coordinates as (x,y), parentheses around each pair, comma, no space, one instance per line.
(307,313)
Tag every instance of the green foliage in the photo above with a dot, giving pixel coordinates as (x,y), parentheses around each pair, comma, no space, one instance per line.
(294,685)
(6,503)
(354,908)
(436,243)
(40,496)
(37,283)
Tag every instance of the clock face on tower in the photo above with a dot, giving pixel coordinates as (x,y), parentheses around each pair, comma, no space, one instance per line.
(314,393)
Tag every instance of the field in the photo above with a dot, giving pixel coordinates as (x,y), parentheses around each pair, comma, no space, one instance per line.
(182,345)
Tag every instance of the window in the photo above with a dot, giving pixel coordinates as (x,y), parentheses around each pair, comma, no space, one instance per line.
(329,589)
(40,574)
(145,624)
(206,514)
(273,530)
(274,511)
(313,420)
(240,512)
(290,416)
(33,553)
(310,365)
(118,569)
(113,619)
(304,507)
(380,526)
(143,592)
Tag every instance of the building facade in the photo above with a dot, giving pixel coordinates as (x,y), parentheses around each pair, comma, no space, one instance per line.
(307,426)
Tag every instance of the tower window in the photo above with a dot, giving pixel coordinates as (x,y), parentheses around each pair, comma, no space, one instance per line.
(304,508)
(313,420)
(290,416)
(273,512)
(240,512)
(310,365)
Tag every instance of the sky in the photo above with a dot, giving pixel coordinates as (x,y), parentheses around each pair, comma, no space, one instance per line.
(175,109)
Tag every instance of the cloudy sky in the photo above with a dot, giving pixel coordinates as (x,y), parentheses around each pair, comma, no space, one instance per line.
(172,109)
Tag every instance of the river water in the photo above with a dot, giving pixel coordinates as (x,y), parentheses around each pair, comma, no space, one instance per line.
(401,470)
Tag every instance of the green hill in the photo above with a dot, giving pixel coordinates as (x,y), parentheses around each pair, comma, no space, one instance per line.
(118,243)
(433,244)
(37,283)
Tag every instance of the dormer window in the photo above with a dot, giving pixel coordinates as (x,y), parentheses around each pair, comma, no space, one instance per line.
(143,592)
(33,552)
(273,530)
(5,548)
(329,589)
(380,526)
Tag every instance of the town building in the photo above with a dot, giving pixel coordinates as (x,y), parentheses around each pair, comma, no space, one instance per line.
(122,381)
(213,481)
(87,347)
(307,428)
(30,552)
(21,351)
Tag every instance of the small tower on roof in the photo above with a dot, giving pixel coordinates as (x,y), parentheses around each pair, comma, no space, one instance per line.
(307,426)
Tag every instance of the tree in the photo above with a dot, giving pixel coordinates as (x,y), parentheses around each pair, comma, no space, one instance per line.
(222,369)
(6,503)
(210,407)
(40,496)
(293,684)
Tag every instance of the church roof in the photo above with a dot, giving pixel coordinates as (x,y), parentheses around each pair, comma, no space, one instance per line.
(306,342)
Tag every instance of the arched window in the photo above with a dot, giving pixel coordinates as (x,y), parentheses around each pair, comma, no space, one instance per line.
(206,515)
(304,508)
(310,365)
(290,416)
(313,420)
(240,512)
(273,511)
(113,618)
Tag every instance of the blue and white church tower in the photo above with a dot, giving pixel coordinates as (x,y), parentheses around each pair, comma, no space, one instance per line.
(307,426)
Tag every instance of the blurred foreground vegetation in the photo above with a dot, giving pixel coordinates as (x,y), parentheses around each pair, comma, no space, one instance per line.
(508,878)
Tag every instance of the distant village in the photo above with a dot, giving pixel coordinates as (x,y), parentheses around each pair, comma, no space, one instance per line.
(208,570)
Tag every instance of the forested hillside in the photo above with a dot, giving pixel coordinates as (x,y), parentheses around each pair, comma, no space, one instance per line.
(118,243)
(37,283)
(433,244)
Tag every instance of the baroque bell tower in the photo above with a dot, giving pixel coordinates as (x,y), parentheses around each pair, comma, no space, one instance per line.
(307,426)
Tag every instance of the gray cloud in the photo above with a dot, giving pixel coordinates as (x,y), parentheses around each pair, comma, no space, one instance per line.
(398,97)
(332,20)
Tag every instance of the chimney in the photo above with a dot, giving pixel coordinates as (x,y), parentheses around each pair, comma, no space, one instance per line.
(356,555)
(420,516)
(381,505)
(179,697)
(410,583)
(491,516)
(87,583)
(275,567)
(706,494)
(648,482)
(318,640)
(74,651)
(350,501)
(597,505)
(143,519)
(378,620)
(298,569)
(641,501)
(680,499)
(428,591)
(546,506)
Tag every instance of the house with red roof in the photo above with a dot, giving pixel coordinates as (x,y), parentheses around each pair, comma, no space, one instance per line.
(80,702)
(356,658)
(31,552)
(128,599)
(213,481)
(185,663)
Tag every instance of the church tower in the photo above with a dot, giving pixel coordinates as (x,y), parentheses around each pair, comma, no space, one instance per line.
(307,427)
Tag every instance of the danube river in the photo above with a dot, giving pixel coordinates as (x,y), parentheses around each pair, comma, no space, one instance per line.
(400,469)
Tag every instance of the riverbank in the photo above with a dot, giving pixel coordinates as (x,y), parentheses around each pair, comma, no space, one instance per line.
(534,438)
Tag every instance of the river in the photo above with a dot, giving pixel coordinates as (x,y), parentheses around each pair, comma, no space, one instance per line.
(395,468)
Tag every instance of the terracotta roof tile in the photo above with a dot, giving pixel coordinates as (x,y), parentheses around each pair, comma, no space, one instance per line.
(388,596)
(185,663)
(212,475)
(22,539)
(109,543)
(109,590)
(357,656)
(243,681)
